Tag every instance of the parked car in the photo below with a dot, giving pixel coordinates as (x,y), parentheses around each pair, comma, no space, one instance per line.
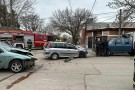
(15,50)
(13,61)
(82,51)
(55,50)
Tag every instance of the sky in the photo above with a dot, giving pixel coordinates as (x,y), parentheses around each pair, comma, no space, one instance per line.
(45,8)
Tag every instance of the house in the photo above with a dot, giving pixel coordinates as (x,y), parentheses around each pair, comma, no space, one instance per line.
(100,32)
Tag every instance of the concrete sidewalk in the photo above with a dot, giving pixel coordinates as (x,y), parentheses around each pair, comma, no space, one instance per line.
(91,53)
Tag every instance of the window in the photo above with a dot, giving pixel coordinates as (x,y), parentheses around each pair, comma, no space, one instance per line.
(126,41)
(69,46)
(45,37)
(111,41)
(118,41)
(19,38)
(39,37)
(60,45)
(53,45)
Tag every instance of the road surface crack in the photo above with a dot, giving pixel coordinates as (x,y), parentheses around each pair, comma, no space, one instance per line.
(85,75)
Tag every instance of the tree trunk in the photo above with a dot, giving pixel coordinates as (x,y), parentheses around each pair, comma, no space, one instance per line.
(74,41)
(11,13)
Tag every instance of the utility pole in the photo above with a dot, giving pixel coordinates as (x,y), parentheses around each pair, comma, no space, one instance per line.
(120,22)
(70,4)
(7,21)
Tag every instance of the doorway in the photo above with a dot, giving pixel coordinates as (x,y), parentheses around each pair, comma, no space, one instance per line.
(89,42)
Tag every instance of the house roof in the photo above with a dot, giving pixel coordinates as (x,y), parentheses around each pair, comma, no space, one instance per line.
(111,29)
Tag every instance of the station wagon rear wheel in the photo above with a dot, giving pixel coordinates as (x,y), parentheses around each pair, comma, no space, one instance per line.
(54,56)
(16,66)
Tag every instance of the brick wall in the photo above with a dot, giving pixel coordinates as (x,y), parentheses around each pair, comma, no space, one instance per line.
(113,32)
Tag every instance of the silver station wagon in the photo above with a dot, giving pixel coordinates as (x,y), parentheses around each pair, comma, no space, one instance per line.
(55,50)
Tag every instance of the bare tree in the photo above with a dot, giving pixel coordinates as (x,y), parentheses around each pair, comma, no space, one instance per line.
(20,6)
(32,22)
(16,9)
(40,28)
(70,21)
(128,10)
(49,29)
(3,11)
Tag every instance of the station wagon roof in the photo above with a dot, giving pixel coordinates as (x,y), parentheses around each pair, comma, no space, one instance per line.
(58,42)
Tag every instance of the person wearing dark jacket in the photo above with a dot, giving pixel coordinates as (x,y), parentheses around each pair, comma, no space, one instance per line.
(105,47)
(98,51)
(29,43)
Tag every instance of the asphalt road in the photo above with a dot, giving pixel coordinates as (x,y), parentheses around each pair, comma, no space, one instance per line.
(92,73)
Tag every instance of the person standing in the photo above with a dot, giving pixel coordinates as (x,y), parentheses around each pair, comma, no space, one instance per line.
(101,48)
(29,43)
(98,52)
(106,48)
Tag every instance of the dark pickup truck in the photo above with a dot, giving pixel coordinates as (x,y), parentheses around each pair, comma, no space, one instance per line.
(124,44)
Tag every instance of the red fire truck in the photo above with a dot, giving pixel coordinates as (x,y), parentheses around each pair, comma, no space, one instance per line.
(41,39)
(19,38)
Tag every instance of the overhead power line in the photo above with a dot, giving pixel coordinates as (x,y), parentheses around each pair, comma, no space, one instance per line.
(105,16)
(108,19)
(105,13)
(93,5)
